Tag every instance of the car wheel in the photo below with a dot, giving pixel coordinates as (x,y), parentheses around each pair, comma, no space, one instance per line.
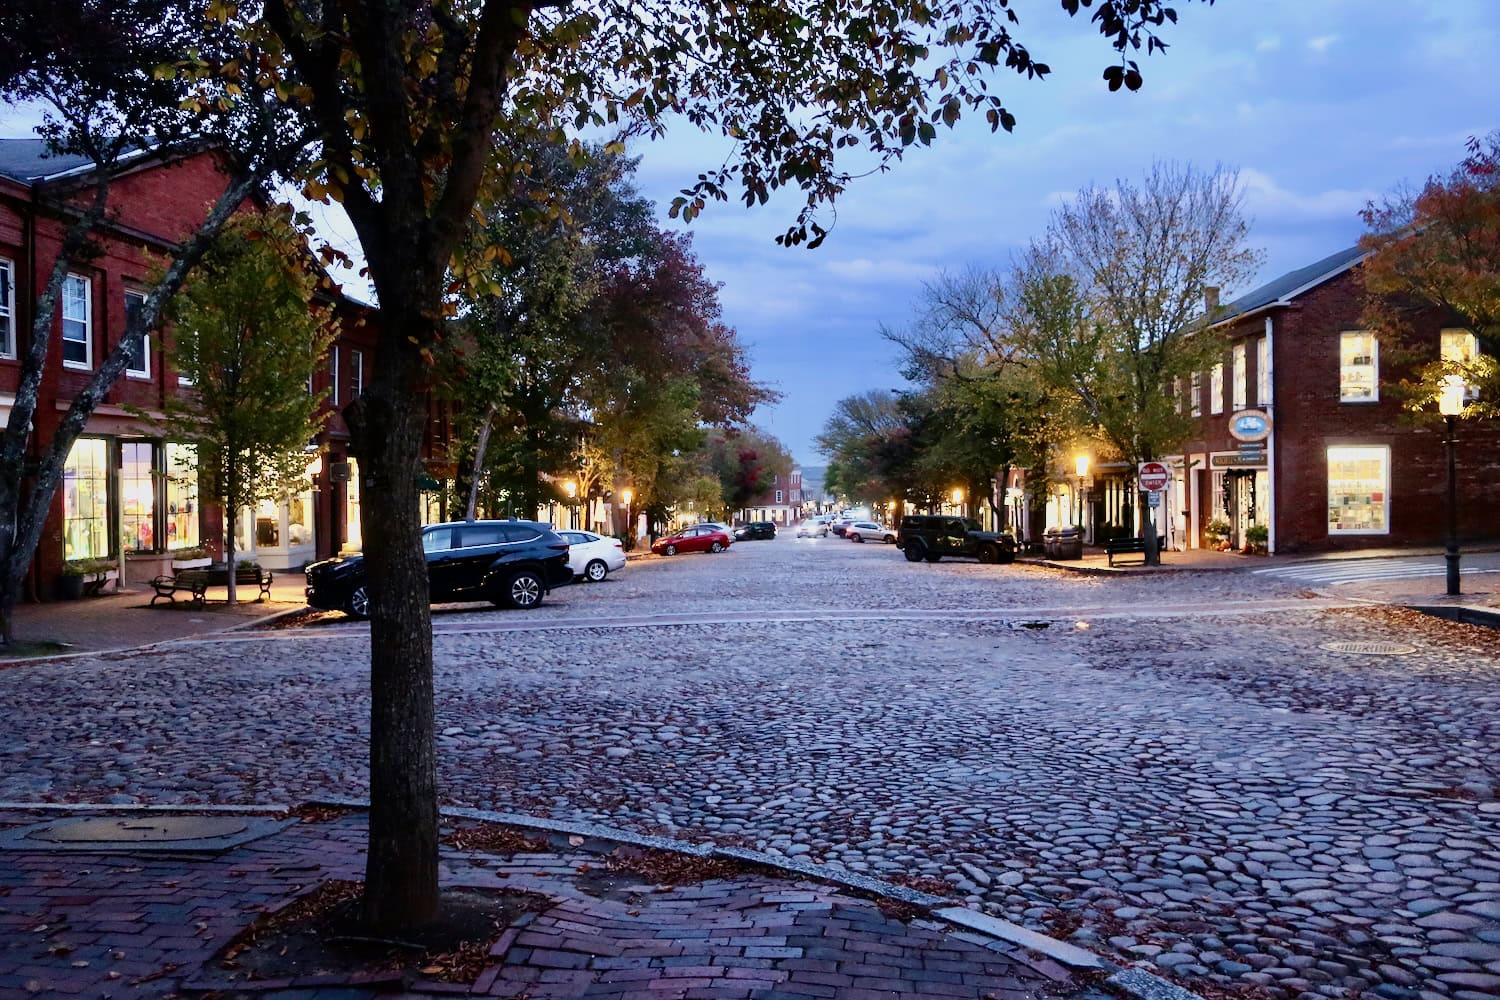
(915,551)
(716,548)
(595,571)
(523,589)
(889,539)
(989,554)
(670,550)
(857,537)
(359,603)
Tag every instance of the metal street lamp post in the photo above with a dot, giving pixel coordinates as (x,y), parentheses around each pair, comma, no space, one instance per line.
(1081,466)
(572,490)
(1451,405)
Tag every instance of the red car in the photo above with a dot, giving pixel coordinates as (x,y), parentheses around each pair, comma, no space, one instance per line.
(698,538)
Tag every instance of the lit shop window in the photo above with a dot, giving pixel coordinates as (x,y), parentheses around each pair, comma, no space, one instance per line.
(1359,368)
(182,496)
(353,527)
(1359,490)
(138,495)
(85,490)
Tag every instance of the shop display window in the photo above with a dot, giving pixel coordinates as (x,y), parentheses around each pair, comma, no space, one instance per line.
(138,496)
(182,496)
(85,489)
(1359,490)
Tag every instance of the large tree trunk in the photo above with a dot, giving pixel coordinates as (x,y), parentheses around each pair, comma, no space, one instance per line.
(231,516)
(401,873)
(479,449)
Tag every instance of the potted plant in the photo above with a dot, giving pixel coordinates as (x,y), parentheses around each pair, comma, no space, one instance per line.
(70,584)
(191,558)
(1217,533)
(1256,538)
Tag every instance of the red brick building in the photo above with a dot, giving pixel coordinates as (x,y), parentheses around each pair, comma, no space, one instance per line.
(782,503)
(1343,466)
(128,494)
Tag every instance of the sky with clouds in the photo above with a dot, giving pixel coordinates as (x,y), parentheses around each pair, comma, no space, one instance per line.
(1320,104)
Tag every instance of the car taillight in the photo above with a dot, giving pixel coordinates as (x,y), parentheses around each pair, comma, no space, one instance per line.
(559,546)
(619,544)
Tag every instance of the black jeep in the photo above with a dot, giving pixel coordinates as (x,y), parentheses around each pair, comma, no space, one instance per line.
(923,536)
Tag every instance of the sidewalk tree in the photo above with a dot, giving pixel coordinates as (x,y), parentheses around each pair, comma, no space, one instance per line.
(249,335)
(746,462)
(117,112)
(417,105)
(1440,247)
(1145,254)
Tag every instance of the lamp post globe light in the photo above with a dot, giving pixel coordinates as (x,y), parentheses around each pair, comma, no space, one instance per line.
(958,499)
(1451,406)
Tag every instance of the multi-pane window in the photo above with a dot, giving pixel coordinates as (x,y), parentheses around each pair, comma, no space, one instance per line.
(77,323)
(1240,375)
(1461,348)
(1359,481)
(85,489)
(1177,394)
(1359,367)
(182,496)
(138,495)
(1195,400)
(357,372)
(139,365)
(7,309)
(353,526)
(1216,388)
(1263,372)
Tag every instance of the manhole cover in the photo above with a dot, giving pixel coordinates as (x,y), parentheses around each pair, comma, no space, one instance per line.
(141,830)
(1369,648)
(140,833)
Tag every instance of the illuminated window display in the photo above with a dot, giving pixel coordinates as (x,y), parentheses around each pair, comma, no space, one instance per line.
(1359,490)
(85,489)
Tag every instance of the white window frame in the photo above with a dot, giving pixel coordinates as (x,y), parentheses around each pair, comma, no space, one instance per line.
(1240,376)
(1216,388)
(1195,400)
(1263,372)
(780,497)
(1385,450)
(358,374)
(1374,396)
(87,364)
(144,371)
(334,375)
(7,308)
(1177,394)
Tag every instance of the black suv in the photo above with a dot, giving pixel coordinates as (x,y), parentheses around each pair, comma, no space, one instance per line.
(755,529)
(509,563)
(923,536)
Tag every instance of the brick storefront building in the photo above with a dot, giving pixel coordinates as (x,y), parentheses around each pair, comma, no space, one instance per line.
(1344,467)
(128,494)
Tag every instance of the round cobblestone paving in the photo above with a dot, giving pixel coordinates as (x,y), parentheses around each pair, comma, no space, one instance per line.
(1176,774)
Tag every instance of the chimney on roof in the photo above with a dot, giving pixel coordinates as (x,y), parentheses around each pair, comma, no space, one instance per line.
(1210,299)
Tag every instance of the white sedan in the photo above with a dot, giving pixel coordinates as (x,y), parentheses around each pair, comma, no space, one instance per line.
(593,557)
(812,528)
(861,531)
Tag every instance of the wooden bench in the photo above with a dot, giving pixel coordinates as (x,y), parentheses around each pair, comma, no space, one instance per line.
(197,582)
(1127,546)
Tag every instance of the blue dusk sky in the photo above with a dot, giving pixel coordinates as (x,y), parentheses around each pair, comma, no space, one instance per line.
(1321,105)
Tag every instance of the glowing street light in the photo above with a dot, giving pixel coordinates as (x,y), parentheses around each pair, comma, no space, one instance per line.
(1081,466)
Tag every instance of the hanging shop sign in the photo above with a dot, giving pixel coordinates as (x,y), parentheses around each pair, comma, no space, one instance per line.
(1250,425)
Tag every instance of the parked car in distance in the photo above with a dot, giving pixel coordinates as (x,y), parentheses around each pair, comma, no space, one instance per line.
(592,557)
(697,538)
(812,528)
(869,531)
(931,537)
(754,530)
(508,563)
(840,525)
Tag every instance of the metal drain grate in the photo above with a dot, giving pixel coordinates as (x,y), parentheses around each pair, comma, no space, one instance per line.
(1369,648)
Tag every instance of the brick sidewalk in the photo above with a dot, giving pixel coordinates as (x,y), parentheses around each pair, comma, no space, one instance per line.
(140,924)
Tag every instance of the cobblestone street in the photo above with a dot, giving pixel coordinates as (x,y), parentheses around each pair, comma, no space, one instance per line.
(1170,769)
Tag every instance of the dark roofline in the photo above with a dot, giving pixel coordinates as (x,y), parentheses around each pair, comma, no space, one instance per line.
(1279,292)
